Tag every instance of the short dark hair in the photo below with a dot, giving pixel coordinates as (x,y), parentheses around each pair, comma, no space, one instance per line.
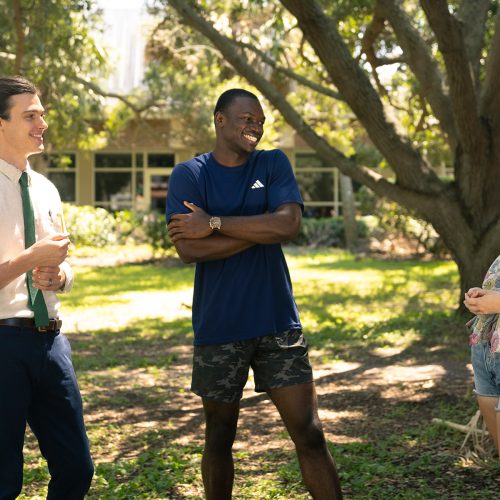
(227,97)
(13,85)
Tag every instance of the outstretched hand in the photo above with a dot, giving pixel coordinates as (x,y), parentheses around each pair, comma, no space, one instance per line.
(192,226)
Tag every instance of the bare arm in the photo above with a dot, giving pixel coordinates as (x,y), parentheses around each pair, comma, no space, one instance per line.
(479,301)
(49,252)
(276,227)
(213,247)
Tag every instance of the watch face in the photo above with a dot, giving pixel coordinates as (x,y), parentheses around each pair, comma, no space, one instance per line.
(215,223)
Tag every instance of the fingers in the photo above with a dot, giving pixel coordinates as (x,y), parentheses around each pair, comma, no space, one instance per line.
(59,236)
(47,278)
(192,206)
(50,251)
(177,218)
(475,292)
(55,237)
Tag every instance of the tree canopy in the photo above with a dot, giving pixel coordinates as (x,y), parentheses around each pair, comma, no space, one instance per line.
(52,44)
(416,80)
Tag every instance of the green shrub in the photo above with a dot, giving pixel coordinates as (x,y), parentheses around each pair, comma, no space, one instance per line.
(96,227)
(155,229)
(387,219)
(326,231)
(89,225)
(397,221)
(128,227)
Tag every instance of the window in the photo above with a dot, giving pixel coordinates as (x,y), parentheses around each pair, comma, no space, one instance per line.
(161,160)
(121,180)
(61,170)
(113,160)
(159,186)
(113,180)
(114,190)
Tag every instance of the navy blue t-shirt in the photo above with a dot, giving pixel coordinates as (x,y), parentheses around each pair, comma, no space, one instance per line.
(249,294)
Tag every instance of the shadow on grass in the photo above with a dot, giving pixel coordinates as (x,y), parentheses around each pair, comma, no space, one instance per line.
(146,428)
(142,343)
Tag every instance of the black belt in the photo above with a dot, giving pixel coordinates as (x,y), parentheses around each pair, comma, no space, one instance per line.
(53,326)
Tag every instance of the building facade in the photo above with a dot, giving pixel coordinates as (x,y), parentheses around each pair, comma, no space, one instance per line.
(132,171)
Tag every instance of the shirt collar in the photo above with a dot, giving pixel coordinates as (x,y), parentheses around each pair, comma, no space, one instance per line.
(13,173)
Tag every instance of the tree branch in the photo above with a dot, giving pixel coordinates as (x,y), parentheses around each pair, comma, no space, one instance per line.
(20,36)
(291,74)
(321,32)
(463,98)
(414,199)
(370,36)
(386,61)
(490,99)
(473,16)
(138,110)
(471,161)
(423,65)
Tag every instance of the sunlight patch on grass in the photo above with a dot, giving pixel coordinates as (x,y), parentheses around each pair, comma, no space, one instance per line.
(133,359)
(127,306)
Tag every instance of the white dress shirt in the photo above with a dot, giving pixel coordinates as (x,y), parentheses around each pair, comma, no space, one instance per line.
(46,207)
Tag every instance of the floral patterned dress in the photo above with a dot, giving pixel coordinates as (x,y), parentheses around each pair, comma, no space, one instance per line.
(486,327)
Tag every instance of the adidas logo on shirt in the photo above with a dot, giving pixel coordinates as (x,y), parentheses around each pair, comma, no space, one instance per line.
(257,184)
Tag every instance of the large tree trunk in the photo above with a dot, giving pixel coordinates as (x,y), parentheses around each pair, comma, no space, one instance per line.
(472,265)
(472,271)
(473,249)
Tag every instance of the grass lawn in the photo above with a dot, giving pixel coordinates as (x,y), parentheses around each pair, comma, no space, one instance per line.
(388,353)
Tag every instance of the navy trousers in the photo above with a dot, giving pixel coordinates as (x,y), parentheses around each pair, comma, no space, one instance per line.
(38,386)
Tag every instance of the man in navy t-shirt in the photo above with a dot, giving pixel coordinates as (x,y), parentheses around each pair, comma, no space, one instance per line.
(229,211)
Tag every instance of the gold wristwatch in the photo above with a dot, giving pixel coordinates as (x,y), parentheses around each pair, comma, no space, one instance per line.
(215,223)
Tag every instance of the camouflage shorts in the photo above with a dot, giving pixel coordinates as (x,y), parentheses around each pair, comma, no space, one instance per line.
(221,371)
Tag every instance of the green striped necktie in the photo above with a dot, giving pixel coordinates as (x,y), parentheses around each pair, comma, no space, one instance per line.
(36,302)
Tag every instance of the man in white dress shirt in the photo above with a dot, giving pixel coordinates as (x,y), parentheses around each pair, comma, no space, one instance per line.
(37,381)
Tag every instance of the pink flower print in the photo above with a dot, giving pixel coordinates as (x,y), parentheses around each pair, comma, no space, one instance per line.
(473,339)
(495,342)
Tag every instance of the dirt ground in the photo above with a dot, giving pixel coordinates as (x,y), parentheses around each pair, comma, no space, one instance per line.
(359,401)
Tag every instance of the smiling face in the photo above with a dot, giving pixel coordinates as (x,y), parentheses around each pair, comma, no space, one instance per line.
(21,135)
(239,129)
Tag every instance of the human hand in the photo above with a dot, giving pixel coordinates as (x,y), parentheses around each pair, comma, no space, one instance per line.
(479,301)
(48,278)
(50,251)
(189,226)
(474,292)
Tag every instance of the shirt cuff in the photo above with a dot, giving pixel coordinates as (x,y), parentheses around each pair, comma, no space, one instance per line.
(70,277)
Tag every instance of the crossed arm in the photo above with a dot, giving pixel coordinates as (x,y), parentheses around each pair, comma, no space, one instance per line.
(196,242)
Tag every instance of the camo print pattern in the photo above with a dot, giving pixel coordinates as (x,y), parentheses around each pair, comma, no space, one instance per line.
(220,371)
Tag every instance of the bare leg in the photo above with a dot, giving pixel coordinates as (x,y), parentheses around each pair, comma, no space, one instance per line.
(488,406)
(298,407)
(217,466)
